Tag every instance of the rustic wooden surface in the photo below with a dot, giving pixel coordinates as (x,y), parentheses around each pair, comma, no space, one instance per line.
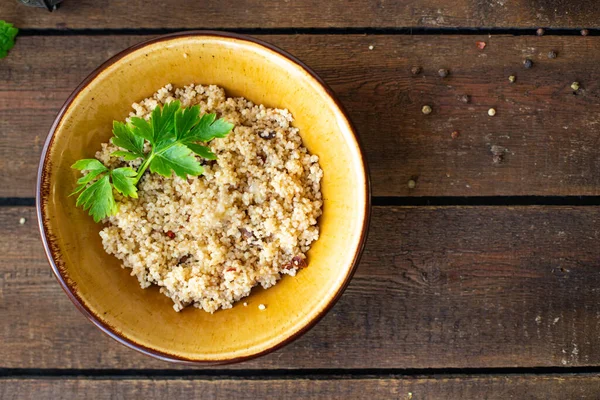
(548,136)
(489,387)
(437,287)
(236,14)
(497,299)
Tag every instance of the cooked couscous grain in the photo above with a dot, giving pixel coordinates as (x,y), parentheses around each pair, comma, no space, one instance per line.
(249,219)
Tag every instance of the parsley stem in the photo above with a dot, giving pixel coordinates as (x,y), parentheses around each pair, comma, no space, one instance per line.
(143,168)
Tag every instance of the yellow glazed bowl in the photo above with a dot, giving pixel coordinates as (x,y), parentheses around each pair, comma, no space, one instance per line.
(143,319)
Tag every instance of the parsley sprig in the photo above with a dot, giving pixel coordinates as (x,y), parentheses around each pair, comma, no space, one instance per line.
(175,135)
(7,37)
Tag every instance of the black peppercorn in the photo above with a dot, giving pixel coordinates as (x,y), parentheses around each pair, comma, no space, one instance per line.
(528,63)
(540,32)
(552,54)
(443,72)
(585,32)
(268,135)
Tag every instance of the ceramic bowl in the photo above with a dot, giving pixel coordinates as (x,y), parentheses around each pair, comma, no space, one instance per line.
(144,319)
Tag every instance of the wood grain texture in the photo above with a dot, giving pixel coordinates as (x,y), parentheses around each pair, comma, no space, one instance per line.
(547,136)
(552,387)
(436,288)
(180,14)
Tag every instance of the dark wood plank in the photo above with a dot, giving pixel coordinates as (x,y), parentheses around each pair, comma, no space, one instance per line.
(179,14)
(550,387)
(547,136)
(436,288)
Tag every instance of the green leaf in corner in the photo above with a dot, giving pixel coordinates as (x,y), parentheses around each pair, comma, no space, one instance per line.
(202,151)
(98,199)
(123,180)
(7,37)
(177,158)
(126,139)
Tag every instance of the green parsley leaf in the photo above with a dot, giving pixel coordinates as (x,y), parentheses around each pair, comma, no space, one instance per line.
(163,122)
(125,155)
(173,133)
(7,37)
(177,158)
(202,151)
(207,129)
(126,139)
(89,164)
(123,180)
(98,199)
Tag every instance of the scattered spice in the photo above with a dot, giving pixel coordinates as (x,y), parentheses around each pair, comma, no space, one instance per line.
(512,79)
(170,234)
(183,259)
(575,86)
(464,98)
(527,63)
(231,269)
(491,112)
(412,184)
(497,154)
(268,135)
(585,32)
(371,47)
(22,221)
(246,234)
(480,45)
(415,70)
(426,110)
(443,72)
(540,32)
(552,54)
(299,262)
(455,134)
(262,307)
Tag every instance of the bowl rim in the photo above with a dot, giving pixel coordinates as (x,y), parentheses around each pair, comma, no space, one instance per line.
(50,249)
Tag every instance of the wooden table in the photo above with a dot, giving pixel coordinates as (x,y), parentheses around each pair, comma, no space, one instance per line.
(482,281)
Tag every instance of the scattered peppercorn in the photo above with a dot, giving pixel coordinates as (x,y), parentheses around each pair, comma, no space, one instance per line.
(464,98)
(184,259)
(540,32)
(415,70)
(426,110)
(575,85)
(443,72)
(585,32)
(455,134)
(552,54)
(512,79)
(491,112)
(527,63)
(170,234)
(268,135)
(412,184)
(480,45)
